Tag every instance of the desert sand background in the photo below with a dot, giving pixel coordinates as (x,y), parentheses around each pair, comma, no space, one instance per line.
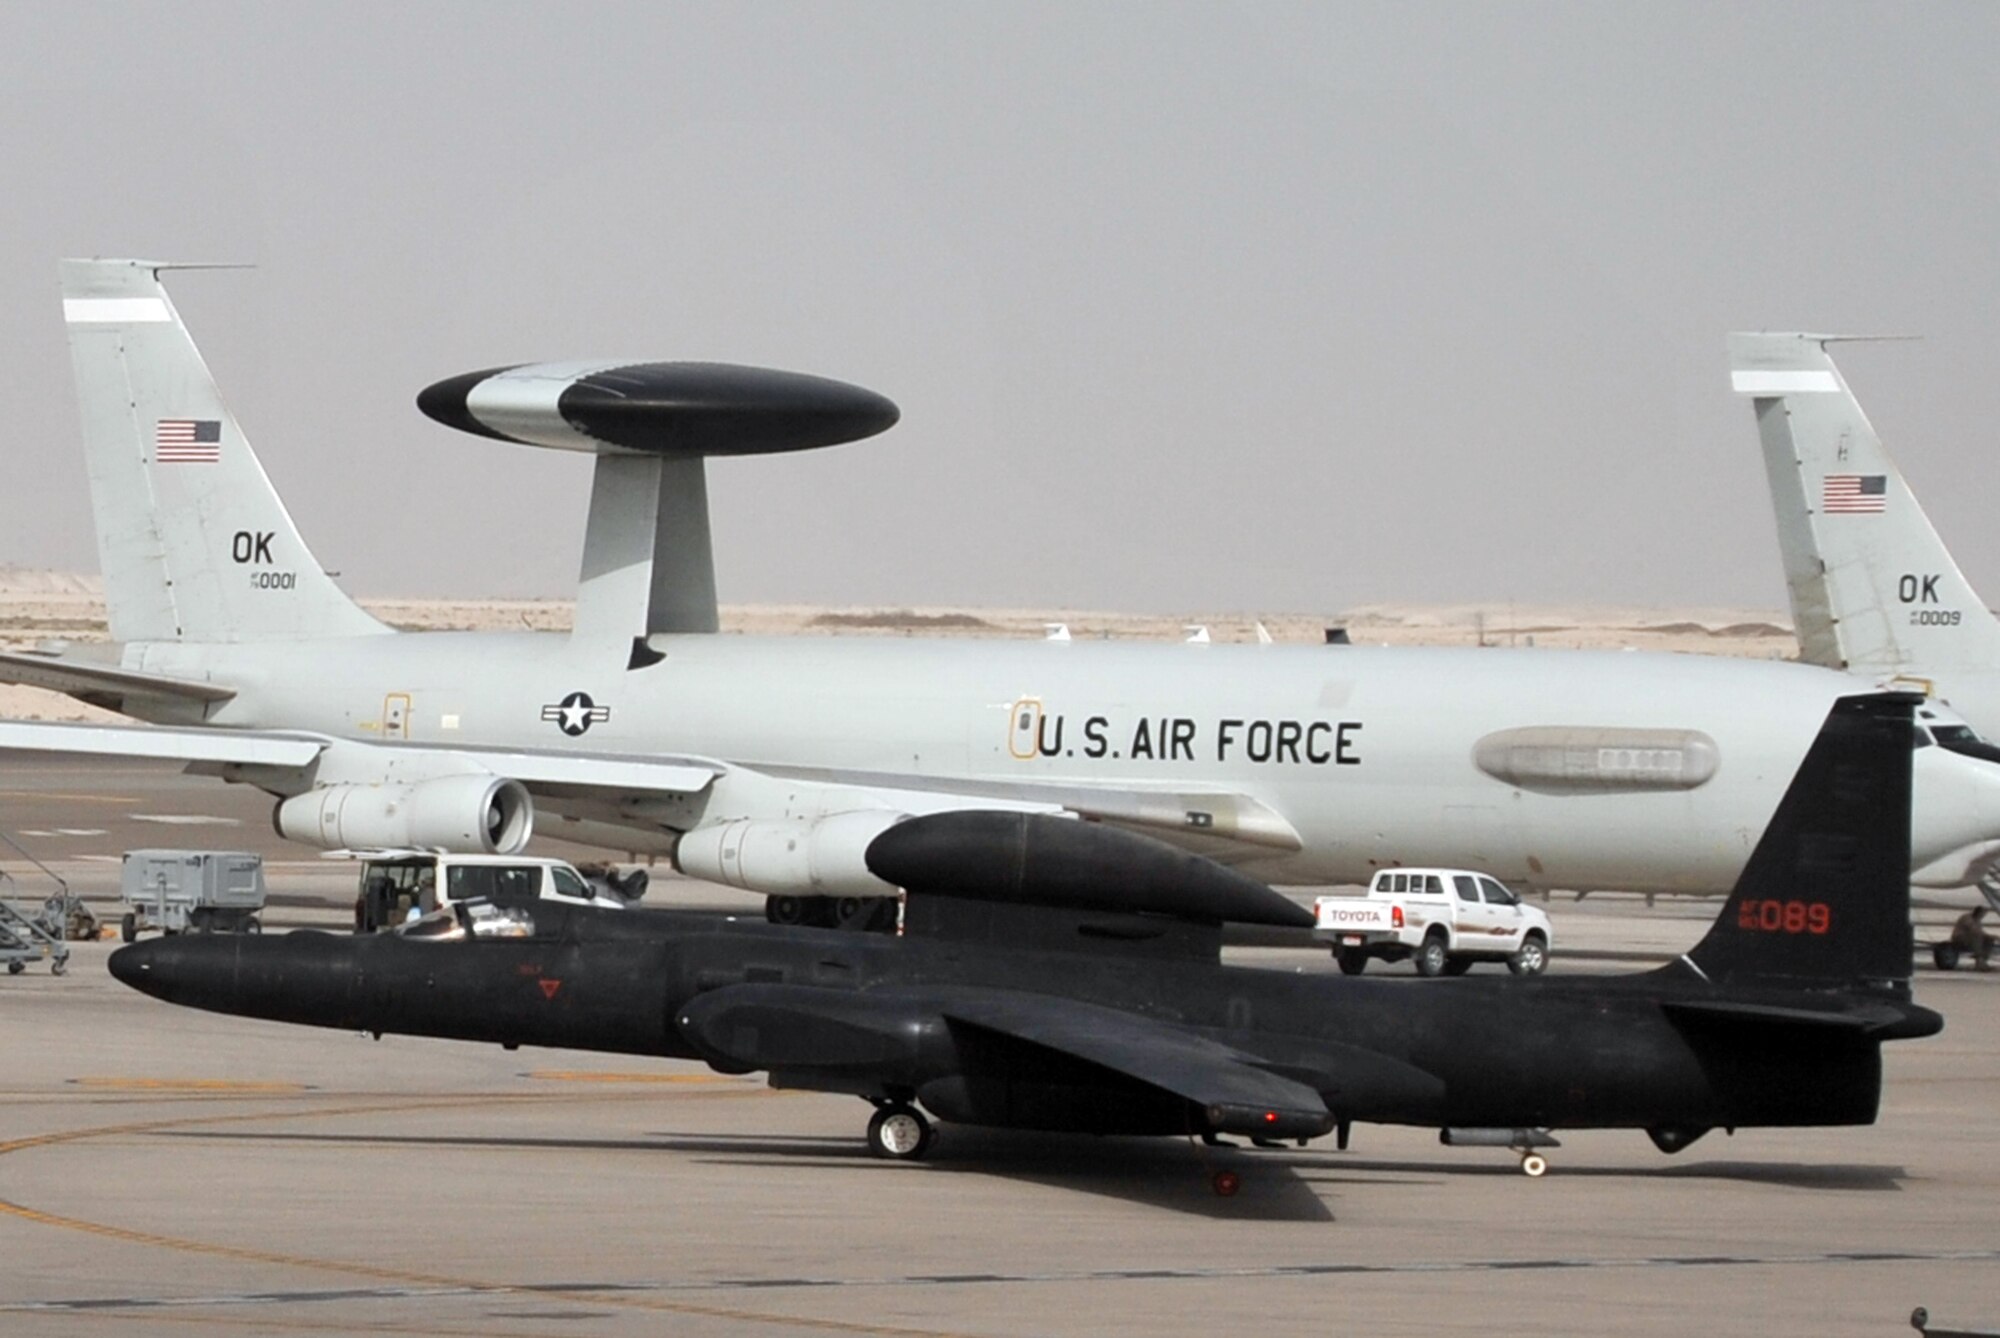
(38,607)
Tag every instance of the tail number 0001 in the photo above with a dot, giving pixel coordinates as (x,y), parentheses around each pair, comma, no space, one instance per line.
(1784,917)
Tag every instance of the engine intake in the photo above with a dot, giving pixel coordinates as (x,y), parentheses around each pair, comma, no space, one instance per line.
(473,814)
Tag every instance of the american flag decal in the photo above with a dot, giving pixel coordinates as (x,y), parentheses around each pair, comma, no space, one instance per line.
(187,441)
(1854,494)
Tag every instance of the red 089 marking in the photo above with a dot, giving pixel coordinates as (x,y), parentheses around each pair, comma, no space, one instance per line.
(1784,917)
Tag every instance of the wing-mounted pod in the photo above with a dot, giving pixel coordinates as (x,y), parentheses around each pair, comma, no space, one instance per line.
(647,562)
(1053,880)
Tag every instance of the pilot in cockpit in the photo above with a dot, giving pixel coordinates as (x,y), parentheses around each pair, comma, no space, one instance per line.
(470,919)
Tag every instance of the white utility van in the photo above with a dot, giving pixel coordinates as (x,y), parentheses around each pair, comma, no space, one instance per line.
(1446,919)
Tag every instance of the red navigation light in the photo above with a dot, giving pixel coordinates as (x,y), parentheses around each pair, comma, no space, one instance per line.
(1270,1117)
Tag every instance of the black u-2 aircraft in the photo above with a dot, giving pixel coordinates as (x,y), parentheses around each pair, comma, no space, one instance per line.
(1059,975)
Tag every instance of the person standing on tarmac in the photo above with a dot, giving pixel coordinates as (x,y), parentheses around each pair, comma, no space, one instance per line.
(1968,934)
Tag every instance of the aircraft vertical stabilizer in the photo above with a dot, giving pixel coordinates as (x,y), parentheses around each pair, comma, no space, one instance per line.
(1825,898)
(1873,588)
(194,542)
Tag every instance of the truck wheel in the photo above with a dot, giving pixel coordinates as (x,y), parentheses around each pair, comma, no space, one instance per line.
(1351,961)
(1458,966)
(1433,956)
(128,928)
(1531,958)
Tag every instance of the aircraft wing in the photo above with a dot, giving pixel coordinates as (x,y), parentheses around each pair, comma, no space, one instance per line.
(1222,824)
(644,802)
(250,748)
(573,775)
(269,755)
(102,684)
(1238,1095)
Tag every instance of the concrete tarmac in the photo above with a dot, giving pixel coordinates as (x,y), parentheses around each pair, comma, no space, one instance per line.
(167,1171)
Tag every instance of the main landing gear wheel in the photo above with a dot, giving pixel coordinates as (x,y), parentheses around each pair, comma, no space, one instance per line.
(1534,1165)
(899,1133)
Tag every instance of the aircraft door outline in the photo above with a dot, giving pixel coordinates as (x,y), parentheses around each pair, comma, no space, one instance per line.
(1024,729)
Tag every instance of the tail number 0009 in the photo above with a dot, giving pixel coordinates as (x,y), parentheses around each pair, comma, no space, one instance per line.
(1784,917)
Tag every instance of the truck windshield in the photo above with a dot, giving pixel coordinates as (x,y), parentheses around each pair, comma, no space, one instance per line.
(512,884)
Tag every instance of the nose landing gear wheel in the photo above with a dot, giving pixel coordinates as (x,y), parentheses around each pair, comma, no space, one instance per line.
(1534,1165)
(899,1133)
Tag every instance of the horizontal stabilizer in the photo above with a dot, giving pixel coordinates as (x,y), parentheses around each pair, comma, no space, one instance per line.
(1036,859)
(1883,1021)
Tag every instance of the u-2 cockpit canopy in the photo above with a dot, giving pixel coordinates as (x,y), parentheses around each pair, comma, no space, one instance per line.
(459,921)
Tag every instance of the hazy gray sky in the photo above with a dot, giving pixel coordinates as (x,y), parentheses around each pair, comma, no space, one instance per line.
(1186,306)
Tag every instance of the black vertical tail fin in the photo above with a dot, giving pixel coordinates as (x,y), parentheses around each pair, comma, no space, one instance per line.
(1825,898)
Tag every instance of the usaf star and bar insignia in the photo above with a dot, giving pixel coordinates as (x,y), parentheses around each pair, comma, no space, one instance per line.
(575,713)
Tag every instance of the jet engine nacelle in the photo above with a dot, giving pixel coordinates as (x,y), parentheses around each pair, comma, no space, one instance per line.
(472,814)
(822,858)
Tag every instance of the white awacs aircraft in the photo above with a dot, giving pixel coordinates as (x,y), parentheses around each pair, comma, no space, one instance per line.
(770,764)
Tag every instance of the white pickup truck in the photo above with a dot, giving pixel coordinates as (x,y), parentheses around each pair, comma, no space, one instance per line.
(1445,918)
(393,881)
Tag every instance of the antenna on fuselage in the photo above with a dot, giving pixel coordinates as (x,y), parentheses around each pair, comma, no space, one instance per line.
(648,563)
